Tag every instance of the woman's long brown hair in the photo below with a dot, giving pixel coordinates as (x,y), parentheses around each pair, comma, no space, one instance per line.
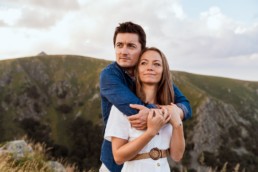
(165,92)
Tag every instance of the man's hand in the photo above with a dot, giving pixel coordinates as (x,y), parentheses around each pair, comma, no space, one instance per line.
(139,120)
(173,109)
(176,114)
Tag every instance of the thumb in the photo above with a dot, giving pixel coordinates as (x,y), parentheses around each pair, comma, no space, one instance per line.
(138,107)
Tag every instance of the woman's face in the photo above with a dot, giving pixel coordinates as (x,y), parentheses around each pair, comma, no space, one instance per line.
(150,67)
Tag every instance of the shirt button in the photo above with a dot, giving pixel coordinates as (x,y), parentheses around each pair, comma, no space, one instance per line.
(158,164)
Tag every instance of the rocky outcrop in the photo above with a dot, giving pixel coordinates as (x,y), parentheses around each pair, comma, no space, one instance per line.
(214,118)
(19,149)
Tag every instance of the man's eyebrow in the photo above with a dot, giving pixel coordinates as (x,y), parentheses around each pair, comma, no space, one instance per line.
(131,43)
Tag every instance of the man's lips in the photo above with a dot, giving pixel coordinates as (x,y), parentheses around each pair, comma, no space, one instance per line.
(124,58)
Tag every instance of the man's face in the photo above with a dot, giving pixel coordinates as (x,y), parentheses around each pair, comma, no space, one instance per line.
(128,49)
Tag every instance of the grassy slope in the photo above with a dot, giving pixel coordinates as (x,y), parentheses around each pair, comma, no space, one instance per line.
(82,73)
(78,77)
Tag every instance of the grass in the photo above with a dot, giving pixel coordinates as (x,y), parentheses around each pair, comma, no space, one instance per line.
(35,161)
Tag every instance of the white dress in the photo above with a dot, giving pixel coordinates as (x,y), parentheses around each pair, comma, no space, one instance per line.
(119,126)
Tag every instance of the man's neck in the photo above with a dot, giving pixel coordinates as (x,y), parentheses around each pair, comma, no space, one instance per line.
(129,71)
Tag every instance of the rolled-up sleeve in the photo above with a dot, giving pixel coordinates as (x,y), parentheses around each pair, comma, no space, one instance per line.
(182,102)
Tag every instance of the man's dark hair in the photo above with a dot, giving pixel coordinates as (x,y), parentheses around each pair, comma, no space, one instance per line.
(130,27)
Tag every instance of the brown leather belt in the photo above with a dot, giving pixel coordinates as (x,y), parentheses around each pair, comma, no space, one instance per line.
(155,154)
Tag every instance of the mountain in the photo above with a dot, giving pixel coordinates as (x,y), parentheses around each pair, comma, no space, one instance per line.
(55,99)
(225,118)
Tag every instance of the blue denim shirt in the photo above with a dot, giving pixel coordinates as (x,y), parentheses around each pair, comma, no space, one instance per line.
(117,88)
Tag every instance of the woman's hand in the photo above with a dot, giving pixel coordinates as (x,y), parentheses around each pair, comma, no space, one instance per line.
(156,119)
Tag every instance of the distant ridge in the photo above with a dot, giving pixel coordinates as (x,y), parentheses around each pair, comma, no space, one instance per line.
(42,53)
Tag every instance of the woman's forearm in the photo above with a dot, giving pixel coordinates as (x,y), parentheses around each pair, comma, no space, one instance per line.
(177,144)
(125,151)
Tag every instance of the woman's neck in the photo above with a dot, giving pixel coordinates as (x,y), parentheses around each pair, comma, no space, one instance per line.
(150,92)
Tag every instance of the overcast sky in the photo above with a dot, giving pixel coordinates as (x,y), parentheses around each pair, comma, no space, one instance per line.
(211,37)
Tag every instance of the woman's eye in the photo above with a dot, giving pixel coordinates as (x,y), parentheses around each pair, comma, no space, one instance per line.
(143,63)
(157,64)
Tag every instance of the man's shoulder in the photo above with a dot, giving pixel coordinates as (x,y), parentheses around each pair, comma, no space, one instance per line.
(111,68)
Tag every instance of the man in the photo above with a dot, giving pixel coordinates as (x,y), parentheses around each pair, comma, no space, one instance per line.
(117,87)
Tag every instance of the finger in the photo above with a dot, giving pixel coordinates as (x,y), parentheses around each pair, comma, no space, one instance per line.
(133,117)
(136,106)
(165,113)
(158,112)
(136,125)
(167,119)
(140,127)
(135,122)
(151,114)
(164,109)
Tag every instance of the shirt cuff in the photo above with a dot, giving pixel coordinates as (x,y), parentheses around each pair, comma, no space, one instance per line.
(184,109)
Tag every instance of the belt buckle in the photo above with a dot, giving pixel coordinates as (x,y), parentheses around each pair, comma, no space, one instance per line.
(155,153)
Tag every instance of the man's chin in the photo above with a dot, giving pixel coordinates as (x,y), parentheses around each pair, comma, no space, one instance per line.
(126,65)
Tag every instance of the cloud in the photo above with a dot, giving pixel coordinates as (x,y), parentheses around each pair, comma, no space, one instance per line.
(36,14)
(37,19)
(9,16)
(2,23)
(213,36)
(59,5)
(85,27)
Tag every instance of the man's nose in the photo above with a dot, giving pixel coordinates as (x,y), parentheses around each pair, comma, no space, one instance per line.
(124,50)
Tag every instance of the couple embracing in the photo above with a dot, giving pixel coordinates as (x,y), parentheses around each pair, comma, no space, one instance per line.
(141,107)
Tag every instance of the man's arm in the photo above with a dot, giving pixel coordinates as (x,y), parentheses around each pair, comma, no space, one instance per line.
(118,93)
(182,102)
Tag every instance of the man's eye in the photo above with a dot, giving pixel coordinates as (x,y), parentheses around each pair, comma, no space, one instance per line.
(131,46)
(119,45)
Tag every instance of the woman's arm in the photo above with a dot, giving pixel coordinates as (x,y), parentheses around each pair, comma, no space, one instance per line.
(177,143)
(125,151)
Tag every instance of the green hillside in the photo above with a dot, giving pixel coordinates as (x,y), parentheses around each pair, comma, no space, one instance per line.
(55,99)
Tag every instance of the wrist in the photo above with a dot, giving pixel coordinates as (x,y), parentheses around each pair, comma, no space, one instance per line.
(151,132)
(178,125)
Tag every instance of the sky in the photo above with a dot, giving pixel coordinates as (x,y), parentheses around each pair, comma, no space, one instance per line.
(209,37)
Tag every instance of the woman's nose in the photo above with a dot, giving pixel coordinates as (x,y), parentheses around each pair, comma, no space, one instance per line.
(149,67)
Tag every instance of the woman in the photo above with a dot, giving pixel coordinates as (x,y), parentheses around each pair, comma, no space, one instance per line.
(146,150)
